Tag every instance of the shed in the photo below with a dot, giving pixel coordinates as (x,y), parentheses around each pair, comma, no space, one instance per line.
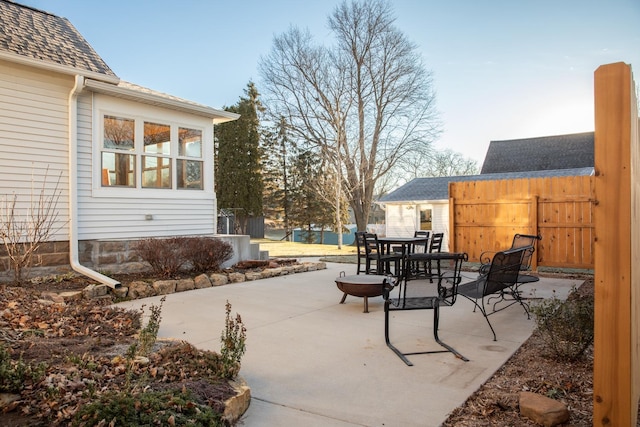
(423,203)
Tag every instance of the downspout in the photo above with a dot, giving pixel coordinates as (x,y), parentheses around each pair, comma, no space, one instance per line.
(73,191)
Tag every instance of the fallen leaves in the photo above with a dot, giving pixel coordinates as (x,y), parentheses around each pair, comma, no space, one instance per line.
(84,344)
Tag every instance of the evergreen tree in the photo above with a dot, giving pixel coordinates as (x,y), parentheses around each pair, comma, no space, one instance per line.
(277,149)
(238,176)
(309,210)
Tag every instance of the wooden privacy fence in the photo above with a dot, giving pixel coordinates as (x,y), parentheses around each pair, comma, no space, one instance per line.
(484,216)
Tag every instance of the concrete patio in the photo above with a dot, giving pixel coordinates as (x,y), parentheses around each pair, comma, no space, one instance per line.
(314,362)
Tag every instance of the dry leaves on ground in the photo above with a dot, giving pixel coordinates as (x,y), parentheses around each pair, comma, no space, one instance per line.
(83,344)
(531,369)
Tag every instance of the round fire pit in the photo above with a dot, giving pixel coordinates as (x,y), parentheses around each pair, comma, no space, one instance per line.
(361,285)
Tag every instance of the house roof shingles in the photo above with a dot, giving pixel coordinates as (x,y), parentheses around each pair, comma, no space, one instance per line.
(542,153)
(39,35)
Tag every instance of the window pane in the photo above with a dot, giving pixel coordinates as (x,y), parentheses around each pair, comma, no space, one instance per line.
(189,174)
(118,169)
(118,133)
(157,138)
(425,219)
(156,172)
(190,142)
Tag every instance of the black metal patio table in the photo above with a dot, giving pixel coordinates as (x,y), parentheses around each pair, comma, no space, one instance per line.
(406,243)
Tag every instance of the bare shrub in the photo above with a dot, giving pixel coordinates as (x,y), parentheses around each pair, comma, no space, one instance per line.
(22,233)
(566,327)
(207,253)
(166,256)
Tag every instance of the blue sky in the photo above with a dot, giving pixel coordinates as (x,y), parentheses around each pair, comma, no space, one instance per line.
(503,69)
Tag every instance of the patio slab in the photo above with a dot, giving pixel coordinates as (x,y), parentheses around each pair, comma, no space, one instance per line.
(312,361)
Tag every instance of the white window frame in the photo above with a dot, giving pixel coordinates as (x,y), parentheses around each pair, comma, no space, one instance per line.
(103,105)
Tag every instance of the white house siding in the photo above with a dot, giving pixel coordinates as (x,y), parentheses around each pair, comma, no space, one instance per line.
(400,220)
(34,138)
(120,213)
(440,221)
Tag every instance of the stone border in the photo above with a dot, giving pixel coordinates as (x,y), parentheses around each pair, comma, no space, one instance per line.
(144,289)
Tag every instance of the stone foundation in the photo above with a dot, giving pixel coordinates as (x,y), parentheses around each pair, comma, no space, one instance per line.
(109,256)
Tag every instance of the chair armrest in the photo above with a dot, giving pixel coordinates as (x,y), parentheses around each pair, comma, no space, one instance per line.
(388,285)
(485,261)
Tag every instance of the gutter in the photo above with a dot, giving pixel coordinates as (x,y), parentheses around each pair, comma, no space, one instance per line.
(73,191)
(137,93)
(57,68)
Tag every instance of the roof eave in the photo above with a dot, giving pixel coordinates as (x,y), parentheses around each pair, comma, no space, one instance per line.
(218,116)
(63,69)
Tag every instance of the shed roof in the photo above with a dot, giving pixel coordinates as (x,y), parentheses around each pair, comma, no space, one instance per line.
(437,188)
(542,153)
(41,36)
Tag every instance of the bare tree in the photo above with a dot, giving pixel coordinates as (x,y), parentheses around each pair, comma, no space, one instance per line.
(23,232)
(449,163)
(435,163)
(364,102)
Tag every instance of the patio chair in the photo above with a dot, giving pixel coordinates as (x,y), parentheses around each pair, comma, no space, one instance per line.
(500,282)
(417,298)
(383,261)
(435,246)
(362,260)
(524,241)
(421,248)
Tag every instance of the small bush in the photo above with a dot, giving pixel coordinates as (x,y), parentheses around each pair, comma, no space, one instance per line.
(173,407)
(149,334)
(15,374)
(566,327)
(207,253)
(166,256)
(233,344)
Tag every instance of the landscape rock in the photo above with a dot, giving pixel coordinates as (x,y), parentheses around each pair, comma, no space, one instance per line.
(236,277)
(202,281)
(139,289)
(543,410)
(7,400)
(253,275)
(218,279)
(95,291)
(121,292)
(53,296)
(185,285)
(164,287)
(236,406)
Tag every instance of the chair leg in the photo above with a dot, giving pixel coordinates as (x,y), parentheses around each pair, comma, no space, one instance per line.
(386,336)
(486,317)
(402,355)
(436,321)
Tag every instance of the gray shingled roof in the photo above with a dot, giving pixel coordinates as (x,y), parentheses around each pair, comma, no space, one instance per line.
(437,188)
(42,36)
(543,153)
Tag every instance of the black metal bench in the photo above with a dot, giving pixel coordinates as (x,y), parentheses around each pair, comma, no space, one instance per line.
(500,280)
